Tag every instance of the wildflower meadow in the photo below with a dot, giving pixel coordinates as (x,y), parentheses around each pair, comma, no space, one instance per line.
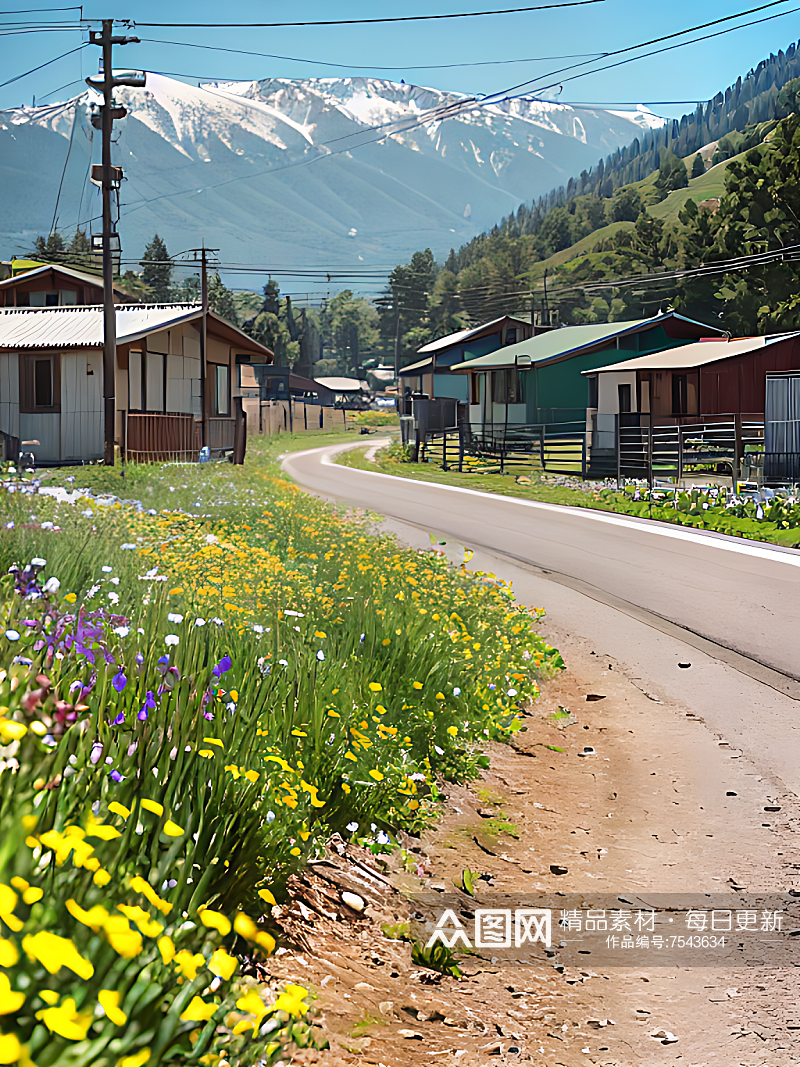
(204,673)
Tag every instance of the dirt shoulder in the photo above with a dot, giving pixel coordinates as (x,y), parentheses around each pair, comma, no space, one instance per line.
(662,805)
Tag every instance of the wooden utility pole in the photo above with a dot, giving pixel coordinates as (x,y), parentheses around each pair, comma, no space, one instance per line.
(203,253)
(110,179)
(396,337)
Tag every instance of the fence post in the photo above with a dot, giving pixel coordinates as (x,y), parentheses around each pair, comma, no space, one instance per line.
(618,437)
(680,454)
(583,455)
(444,451)
(650,455)
(736,469)
(461,449)
(541,447)
(502,456)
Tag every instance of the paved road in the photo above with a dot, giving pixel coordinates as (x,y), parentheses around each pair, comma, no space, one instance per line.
(740,596)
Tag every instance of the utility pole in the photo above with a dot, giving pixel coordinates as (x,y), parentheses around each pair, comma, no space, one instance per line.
(396,337)
(110,178)
(203,253)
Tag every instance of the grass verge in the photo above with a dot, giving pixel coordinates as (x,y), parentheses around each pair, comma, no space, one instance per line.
(203,674)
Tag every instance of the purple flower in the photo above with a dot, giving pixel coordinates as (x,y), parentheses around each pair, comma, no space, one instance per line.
(96,753)
(120,719)
(222,667)
(117,777)
(208,715)
(139,658)
(150,702)
(119,681)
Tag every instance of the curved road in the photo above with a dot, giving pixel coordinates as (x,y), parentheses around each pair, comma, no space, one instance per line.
(739,595)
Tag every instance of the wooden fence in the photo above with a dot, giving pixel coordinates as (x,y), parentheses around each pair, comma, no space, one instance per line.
(159,438)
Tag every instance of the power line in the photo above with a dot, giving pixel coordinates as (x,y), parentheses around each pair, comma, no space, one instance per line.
(357,22)
(659,40)
(41,66)
(368,66)
(38,10)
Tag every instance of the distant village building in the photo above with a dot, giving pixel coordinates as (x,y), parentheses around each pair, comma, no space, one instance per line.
(53,285)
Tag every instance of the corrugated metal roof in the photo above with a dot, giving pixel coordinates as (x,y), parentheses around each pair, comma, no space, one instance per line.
(82,327)
(463,335)
(694,355)
(417,368)
(553,343)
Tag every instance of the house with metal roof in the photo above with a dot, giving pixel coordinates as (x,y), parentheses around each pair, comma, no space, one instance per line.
(432,373)
(54,285)
(708,381)
(539,381)
(169,357)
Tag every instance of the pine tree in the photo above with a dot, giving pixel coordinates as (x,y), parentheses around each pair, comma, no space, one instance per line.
(157,271)
(51,247)
(220,300)
(698,166)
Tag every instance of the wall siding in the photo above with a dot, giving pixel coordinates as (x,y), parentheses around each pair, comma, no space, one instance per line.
(81,406)
(9,393)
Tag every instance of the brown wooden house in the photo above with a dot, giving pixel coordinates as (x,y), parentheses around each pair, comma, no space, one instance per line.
(54,285)
(707,381)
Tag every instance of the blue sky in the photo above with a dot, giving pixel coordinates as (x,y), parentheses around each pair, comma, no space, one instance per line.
(696,72)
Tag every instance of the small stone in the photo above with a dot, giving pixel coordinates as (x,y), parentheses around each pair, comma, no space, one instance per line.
(354,901)
(410,1035)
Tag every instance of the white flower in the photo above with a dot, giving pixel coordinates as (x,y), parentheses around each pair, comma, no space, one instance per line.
(296,614)
(38,562)
(456,692)
(114,598)
(438,751)
(114,581)
(10,525)
(140,630)
(127,546)
(383,838)
(12,635)
(47,525)
(95,589)
(122,631)
(106,569)
(352,827)
(270,816)
(88,513)
(171,639)
(199,622)
(512,692)
(174,617)
(526,655)
(320,655)
(283,662)
(211,539)
(217,621)
(52,585)
(258,629)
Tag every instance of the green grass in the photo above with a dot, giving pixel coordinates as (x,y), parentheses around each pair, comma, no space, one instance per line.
(171,751)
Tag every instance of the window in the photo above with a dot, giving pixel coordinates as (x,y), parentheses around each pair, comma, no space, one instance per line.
(474,389)
(593,392)
(222,403)
(136,399)
(40,383)
(507,387)
(624,393)
(511,335)
(44,300)
(679,394)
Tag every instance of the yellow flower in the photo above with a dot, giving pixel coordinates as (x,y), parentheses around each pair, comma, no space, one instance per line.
(8,953)
(213,740)
(139,885)
(148,926)
(137,1059)
(252,776)
(198,1011)
(103,831)
(125,941)
(440,696)
(312,791)
(95,917)
(66,1021)
(291,1001)
(295,851)
(376,775)
(119,809)
(32,894)
(49,996)
(166,947)
(154,806)
(376,687)
(222,964)
(109,1001)
(215,920)
(12,731)
(244,926)
(172,829)
(350,756)
(265,894)
(320,634)
(452,730)
(417,685)
(188,964)
(10,1049)
(9,1000)
(101,878)
(8,901)
(55,952)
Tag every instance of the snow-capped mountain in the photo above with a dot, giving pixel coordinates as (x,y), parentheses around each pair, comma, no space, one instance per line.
(318,173)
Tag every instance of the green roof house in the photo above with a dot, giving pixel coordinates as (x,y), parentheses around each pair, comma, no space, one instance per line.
(539,381)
